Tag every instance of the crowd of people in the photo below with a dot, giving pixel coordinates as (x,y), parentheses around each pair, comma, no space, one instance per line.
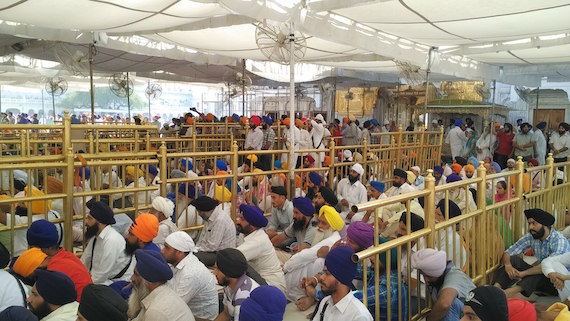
(147,267)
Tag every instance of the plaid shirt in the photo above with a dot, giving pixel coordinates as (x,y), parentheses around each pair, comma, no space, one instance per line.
(383,297)
(554,244)
(268,136)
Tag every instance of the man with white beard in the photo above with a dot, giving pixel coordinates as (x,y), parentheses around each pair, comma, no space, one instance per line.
(151,299)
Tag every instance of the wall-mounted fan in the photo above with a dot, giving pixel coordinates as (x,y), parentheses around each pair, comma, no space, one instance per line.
(152,91)
(55,87)
(410,73)
(74,61)
(274,42)
(122,87)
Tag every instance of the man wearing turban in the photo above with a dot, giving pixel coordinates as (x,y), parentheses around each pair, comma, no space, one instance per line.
(53,296)
(447,285)
(456,139)
(351,191)
(519,277)
(292,134)
(185,212)
(163,208)
(134,178)
(254,137)
(266,303)
(267,142)
(318,131)
(100,302)
(486,303)
(152,299)
(449,240)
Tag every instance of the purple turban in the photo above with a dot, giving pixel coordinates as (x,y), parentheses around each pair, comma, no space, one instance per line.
(361,233)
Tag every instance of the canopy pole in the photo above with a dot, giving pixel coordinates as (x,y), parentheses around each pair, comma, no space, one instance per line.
(149,114)
(292,161)
(242,88)
(491,121)
(92,86)
(128,99)
(428,70)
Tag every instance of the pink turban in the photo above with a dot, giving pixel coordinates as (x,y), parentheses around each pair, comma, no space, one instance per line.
(430,262)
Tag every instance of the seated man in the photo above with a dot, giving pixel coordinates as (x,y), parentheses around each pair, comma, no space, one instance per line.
(375,192)
(449,240)
(419,182)
(266,303)
(53,297)
(281,215)
(464,200)
(350,191)
(313,184)
(447,284)
(301,229)
(163,208)
(257,247)
(100,302)
(219,230)
(185,210)
(544,242)
(486,303)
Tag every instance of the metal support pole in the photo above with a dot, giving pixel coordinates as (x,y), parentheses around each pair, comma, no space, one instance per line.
(292,160)
(92,86)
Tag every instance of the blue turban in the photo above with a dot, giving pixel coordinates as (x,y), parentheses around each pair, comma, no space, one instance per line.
(87,172)
(374,122)
(339,264)
(474,161)
(265,303)
(496,166)
(541,125)
(253,215)
(183,161)
(315,178)
(152,169)
(17,313)
(151,266)
(235,117)
(377,185)
(458,122)
(277,164)
(438,169)
(453,178)
(42,234)
(304,205)
(102,213)
(267,120)
(55,287)
(361,233)
(221,165)
(187,190)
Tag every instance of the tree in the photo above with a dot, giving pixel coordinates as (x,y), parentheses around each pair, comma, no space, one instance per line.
(104,99)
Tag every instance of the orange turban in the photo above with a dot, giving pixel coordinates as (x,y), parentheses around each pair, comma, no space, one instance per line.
(345,120)
(286,122)
(487,166)
(285,165)
(189,121)
(456,167)
(221,173)
(122,148)
(299,123)
(327,160)
(28,261)
(469,167)
(145,227)
(54,185)
(38,207)
(209,117)
(298,181)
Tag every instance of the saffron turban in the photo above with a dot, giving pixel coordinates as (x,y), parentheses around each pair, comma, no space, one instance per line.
(145,227)
(29,261)
(456,168)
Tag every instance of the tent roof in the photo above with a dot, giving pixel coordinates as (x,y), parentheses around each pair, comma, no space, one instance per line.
(191,39)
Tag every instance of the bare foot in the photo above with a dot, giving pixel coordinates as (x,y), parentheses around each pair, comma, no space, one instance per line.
(304,303)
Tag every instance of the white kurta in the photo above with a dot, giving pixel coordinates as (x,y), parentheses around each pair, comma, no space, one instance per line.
(560,264)
(254,139)
(317,142)
(355,194)
(456,139)
(540,146)
(483,143)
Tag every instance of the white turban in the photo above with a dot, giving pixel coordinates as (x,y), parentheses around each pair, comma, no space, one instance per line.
(347,154)
(358,168)
(22,176)
(320,117)
(430,262)
(386,122)
(417,169)
(181,241)
(163,205)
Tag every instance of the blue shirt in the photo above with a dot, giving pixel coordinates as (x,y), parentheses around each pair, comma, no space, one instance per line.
(554,244)
(394,293)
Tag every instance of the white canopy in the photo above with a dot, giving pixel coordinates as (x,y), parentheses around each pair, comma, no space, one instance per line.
(529,39)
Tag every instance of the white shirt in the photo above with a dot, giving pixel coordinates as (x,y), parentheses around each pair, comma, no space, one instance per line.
(403,189)
(219,232)
(261,256)
(108,256)
(353,193)
(141,196)
(456,139)
(296,138)
(187,217)
(305,140)
(10,293)
(560,264)
(348,308)
(164,304)
(66,312)
(20,239)
(196,286)
(540,146)
(165,228)
(317,135)
(254,139)
(559,142)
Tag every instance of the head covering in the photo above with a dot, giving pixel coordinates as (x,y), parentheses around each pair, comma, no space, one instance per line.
(252,158)
(279,190)
(22,176)
(151,266)
(411,176)
(541,125)
(357,157)
(456,167)
(17,313)
(87,172)
(253,215)
(532,161)
(255,120)
(222,194)
(438,169)
(209,117)
(131,171)
(304,205)
(205,203)
(180,241)
(320,117)
(100,302)
(375,122)
(102,213)
(377,185)
(310,159)
(315,178)
(268,120)
(55,287)
(417,221)
(489,303)
(458,122)
(145,227)
(327,160)
(386,122)
(286,122)
(221,165)
(351,117)
(187,190)
(299,123)
(454,210)
(328,195)
(539,215)
(358,168)
(511,161)
(333,218)
(361,233)
(497,167)
(460,160)
(28,261)
(521,310)
(393,255)
(416,168)
(339,263)
(431,262)
(163,205)
(176,173)
(470,168)
(277,164)
(152,170)
(453,178)
(473,160)
(347,154)
(265,303)
(231,262)
(187,163)
(43,234)
(345,120)
(400,173)
(38,207)
(53,185)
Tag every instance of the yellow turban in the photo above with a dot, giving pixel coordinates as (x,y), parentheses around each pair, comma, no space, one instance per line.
(411,177)
(252,158)
(38,207)
(222,194)
(131,171)
(332,216)
(469,167)
(285,165)
(351,117)
(28,261)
